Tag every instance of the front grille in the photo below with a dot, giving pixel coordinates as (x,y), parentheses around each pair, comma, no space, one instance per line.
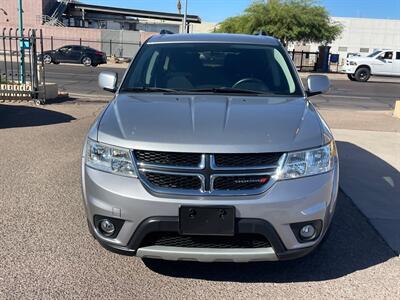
(168,158)
(196,174)
(237,183)
(174,181)
(217,242)
(246,160)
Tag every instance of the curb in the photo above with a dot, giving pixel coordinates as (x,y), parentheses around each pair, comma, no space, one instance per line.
(396,112)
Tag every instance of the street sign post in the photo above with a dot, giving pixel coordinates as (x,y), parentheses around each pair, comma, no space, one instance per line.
(22,49)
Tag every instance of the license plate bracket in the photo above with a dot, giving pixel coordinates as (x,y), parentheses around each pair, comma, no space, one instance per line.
(201,220)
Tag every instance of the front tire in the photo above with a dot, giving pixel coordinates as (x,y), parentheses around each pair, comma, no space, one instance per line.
(362,74)
(351,77)
(87,61)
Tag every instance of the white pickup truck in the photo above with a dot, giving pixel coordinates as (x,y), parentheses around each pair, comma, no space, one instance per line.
(382,62)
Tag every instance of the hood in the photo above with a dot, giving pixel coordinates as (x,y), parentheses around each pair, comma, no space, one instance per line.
(210,123)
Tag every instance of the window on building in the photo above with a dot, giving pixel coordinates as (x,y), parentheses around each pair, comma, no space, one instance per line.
(342,49)
(397,55)
(364,50)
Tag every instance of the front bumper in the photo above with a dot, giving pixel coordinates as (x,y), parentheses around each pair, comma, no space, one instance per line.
(348,69)
(269,214)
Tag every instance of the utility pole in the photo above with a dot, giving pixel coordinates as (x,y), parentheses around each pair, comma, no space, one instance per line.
(185,27)
(21,43)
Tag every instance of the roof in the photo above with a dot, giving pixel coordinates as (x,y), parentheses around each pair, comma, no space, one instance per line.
(214,38)
(133,12)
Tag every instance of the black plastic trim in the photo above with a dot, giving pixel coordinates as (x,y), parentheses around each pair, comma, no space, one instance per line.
(297,226)
(171,224)
(117,223)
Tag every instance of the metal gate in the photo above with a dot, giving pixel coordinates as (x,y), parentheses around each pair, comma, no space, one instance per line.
(22,75)
(305,61)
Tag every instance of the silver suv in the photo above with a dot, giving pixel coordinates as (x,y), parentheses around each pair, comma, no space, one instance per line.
(210,151)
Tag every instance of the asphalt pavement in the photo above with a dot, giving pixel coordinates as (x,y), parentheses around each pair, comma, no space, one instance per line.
(378,94)
(46,250)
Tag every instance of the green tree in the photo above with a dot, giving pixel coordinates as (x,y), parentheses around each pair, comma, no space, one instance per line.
(287,20)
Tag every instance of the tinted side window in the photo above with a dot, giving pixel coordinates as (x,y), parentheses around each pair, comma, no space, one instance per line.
(387,55)
(65,49)
(397,55)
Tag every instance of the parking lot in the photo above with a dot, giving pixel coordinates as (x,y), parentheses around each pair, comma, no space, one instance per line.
(47,251)
(380,93)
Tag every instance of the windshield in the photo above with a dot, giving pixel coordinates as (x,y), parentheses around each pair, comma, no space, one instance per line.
(375,53)
(216,68)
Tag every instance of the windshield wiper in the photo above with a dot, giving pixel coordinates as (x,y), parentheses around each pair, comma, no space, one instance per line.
(227,90)
(221,90)
(146,89)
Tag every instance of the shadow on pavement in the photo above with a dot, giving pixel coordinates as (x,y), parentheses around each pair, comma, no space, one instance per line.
(73,100)
(352,245)
(12,116)
(374,186)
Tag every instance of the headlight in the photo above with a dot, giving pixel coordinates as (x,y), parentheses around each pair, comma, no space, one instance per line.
(352,63)
(109,159)
(309,162)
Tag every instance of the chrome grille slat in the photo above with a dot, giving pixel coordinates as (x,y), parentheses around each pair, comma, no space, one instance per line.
(214,180)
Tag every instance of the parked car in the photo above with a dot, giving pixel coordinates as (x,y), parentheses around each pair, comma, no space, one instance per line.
(210,151)
(76,55)
(382,62)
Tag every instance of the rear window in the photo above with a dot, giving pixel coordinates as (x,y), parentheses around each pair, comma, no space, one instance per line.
(194,66)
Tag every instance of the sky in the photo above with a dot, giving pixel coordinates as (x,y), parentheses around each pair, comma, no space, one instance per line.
(218,10)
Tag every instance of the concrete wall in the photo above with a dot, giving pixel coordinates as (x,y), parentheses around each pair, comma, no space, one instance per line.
(69,36)
(121,43)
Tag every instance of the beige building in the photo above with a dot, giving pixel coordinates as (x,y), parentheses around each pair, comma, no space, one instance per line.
(360,36)
(363,36)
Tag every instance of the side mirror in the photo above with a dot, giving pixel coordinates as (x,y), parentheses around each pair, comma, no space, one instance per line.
(108,81)
(317,84)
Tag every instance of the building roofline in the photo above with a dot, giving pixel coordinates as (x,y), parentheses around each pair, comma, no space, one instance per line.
(134,12)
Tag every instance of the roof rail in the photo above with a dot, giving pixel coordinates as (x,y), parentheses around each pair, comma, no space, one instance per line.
(164,31)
